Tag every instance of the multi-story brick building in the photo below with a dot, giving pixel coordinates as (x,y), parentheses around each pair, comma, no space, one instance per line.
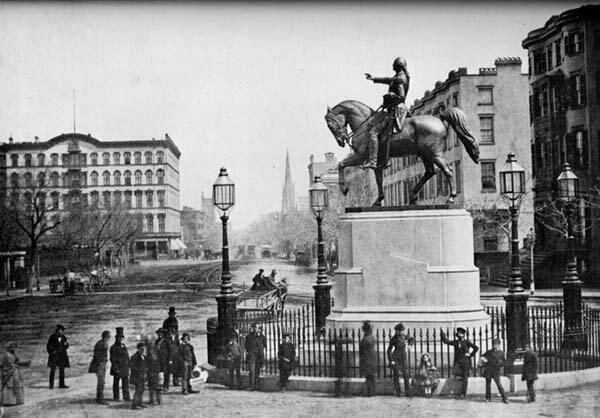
(564,88)
(140,176)
(495,103)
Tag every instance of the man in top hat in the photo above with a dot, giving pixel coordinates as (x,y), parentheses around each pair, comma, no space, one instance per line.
(57,347)
(492,368)
(287,359)
(398,358)
(464,350)
(171,322)
(186,353)
(163,348)
(138,375)
(119,366)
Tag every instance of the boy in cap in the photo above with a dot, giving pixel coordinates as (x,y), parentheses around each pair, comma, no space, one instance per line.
(57,347)
(186,352)
(530,366)
(287,358)
(491,369)
(398,358)
(138,375)
(119,366)
(464,350)
(234,357)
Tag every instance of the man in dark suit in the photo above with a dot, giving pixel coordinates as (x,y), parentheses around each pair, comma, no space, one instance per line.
(188,359)
(464,350)
(253,346)
(163,348)
(119,366)
(98,365)
(138,375)
(530,367)
(398,358)
(494,361)
(368,357)
(57,347)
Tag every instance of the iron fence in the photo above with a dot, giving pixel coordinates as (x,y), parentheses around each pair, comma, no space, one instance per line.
(335,353)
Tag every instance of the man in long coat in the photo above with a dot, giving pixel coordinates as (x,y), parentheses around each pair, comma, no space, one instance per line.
(98,365)
(138,375)
(530,367)
(398,359)
(163,348)
(464,350)
(253,346)
(119,366)
(368,357)
(57,347)
(287,359)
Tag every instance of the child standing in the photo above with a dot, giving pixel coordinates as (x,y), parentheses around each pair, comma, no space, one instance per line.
(530,365)
(234,357)
(137,363)
(492,367)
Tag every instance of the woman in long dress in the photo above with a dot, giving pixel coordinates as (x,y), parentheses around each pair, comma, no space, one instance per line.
(13,390)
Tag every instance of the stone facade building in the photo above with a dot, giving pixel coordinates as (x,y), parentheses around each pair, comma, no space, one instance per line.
(141,176)
(495,103)
(564,94)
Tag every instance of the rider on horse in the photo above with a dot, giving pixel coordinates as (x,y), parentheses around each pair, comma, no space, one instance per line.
(393,105)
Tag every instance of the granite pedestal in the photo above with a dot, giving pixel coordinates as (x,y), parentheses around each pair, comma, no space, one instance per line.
(407,264)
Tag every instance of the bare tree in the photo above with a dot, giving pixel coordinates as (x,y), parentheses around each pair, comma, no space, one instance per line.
(27,207)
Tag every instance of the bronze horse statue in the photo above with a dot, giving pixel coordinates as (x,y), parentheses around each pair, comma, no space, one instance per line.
(424,136)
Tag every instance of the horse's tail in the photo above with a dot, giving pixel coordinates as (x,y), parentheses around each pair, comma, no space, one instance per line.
(458,121)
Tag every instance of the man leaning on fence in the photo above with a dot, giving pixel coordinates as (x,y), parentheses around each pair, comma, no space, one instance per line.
(397,355)
(464,350)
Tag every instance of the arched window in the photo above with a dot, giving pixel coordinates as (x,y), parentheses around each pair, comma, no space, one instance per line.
(159,157)
(106,199)
(14,160)
(160,176)
(41,160)
(94,158)
(54,159)
(127,178)
(138,198)
(138,177)
(117,177)
(148,176)
(127,199)
(105,158)
(161,222)
(94,178)
(54,179)
(149,223)
(41,199)
(27,160)
(55,200)
(116,158)
(117,197)
(106,178)
(149,199)
(95,196)
(148,157)
(28,179)
(41,179)
(14,180)
(127,157)
(137,157)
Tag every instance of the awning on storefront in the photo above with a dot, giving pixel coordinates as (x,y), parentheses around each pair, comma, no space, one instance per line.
(176,245)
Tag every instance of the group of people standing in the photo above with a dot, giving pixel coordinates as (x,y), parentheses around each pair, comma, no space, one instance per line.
(426,377)
(156,359)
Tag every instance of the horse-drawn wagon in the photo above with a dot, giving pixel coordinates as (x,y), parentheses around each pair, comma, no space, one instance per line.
(253,303)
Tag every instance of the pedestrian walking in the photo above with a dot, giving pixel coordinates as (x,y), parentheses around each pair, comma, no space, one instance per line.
(492,367)
(398,358)
(163,348)
(464,350)
(253,347)
(368,357)
(57,347)
(287,359)
(153,370)
(119,366)
(11,378)
(530,367)
(233,352)
(137,362)
(98,365)
(186,353)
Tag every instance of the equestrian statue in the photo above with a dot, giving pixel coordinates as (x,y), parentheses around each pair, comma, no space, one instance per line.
(377,135)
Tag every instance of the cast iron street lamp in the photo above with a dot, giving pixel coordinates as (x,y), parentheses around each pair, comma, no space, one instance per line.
(568,192)
(512,188)
(531,243)
(319,201)
(224,199)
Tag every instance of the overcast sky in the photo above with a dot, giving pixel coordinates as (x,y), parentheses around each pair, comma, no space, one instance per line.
(234,85)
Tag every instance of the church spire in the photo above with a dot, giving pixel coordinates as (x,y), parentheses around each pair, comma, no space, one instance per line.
(288,200)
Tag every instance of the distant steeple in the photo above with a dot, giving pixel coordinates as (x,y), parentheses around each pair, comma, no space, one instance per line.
(288,200)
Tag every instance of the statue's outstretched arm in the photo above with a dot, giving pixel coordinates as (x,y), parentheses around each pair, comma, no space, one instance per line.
(382,80)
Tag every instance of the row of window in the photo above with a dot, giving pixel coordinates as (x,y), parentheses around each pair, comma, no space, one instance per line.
(76,179)
(551,56)
(398,193)
(549,156)
(554,98)
(143,200)
(77,159)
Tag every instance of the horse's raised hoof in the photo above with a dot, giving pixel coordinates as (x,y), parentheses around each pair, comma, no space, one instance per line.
(450,200)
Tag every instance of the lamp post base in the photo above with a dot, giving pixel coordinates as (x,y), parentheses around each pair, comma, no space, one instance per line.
(516,330)
(226,311)
(322,305)
(574,336)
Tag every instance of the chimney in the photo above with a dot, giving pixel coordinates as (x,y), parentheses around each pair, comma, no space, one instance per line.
(36,139)
(10,140)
